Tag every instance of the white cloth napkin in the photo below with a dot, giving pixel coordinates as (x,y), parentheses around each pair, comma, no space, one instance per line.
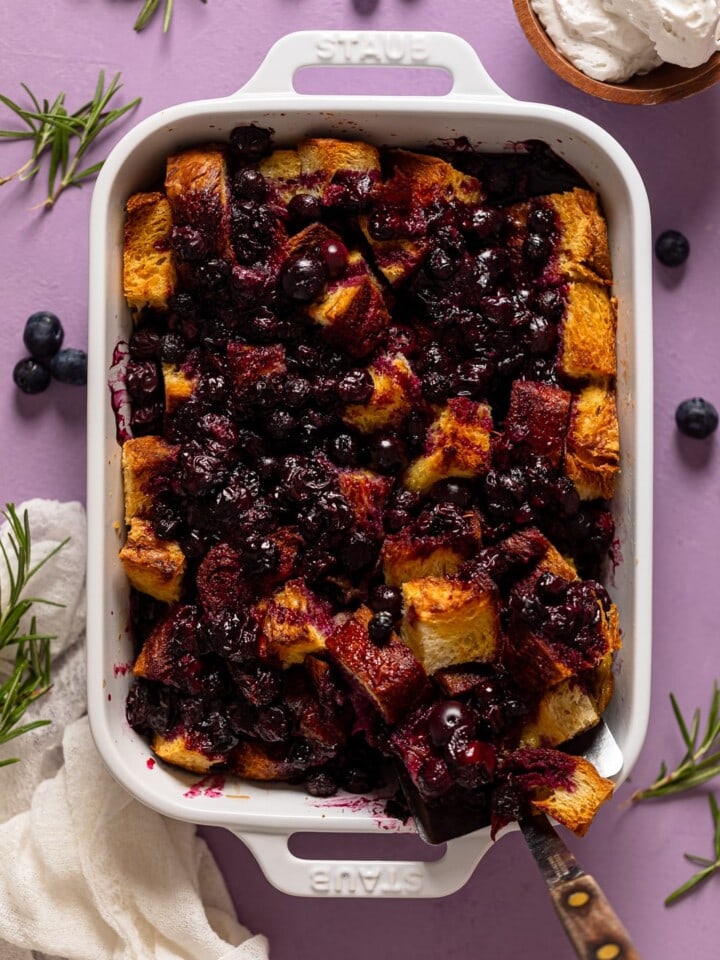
(87,872)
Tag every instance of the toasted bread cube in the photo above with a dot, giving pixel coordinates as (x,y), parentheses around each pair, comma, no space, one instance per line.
(390,675)
(583,248)
(339,169)
(352,312)
(592,456)
(180,384)
(367,493)
(175,749)
(165,655)
(554,562)
(537,420)
(564,711)
(149,275)
(255,760)
(448,621)
(396,390)
(143,458)
(248,364)
(153,566)
(457,445)
(411,556)
(282,170)
(197,184)
(295,622)
(575,804)
(435,178)
(587,333)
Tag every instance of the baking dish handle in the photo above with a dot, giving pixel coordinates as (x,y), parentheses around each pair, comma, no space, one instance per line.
(365,878)
(375,48)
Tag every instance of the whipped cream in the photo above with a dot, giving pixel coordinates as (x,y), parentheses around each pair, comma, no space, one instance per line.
(612,40)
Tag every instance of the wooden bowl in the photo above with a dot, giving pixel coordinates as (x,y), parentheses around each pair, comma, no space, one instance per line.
(662,85)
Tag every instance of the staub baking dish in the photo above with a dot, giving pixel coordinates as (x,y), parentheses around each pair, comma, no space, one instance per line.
(266,816)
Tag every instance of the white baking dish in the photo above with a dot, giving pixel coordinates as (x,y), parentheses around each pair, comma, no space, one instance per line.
(265,816)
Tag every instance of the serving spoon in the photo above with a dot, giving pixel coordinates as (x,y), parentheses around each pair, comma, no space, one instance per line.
(591,924)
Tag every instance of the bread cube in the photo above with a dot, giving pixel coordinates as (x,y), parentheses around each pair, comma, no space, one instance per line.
(161,654)
(352,311)
(282,170)
(221,582)
(153,566)
(409,555)
(563,712)
(340,171)
(367,493)
(197,184)
(583,251)
(143,459)
(390,675)
(592,456)
(449,621)
(256,760)
(149,275)
(587,333)
(175,748)
(457,445)
(396,390)
(295,622)
(180,384)
(537,420)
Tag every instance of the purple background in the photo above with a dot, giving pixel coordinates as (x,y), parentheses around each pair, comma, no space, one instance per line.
(635,853)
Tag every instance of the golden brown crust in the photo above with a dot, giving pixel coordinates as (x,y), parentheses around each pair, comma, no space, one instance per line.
(575,806)
(583,251)
(176,750)
(197,185)
(592,455)
(322,158)
(256,760)
(149,275)
(295,622)
(563,712)
(449,621)
(153,566)
(142,460)
(457,445)
(587,333)
(282,171)
(396,389)
(179,385)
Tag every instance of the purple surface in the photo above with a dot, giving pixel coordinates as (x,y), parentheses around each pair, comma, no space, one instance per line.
(635,853)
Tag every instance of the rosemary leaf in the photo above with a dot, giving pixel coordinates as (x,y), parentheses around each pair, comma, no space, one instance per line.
(699,764)
(62,136)
(29,669)
(149,9)
(708,867)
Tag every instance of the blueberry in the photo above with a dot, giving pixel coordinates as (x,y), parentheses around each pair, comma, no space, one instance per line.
(696,418)
(302,278)
(672,248)
(31,376)
(249,142)
(43,335)
(70,366)
(380,627)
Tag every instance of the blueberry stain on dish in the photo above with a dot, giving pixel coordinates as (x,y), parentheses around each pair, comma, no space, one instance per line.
(672,248)
(696,418)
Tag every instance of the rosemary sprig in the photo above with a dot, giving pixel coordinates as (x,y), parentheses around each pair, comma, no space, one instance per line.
(29,669)
(66,137)
(699,763)
(148,11)
(707,867)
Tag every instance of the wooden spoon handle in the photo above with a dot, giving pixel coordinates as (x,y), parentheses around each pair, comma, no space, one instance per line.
(591,924)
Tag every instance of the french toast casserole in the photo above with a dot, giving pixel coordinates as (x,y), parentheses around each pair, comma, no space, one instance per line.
(372,443)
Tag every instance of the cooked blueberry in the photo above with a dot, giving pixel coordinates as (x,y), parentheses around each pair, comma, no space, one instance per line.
(358,552)
(31,376)
(441,265)
(250,184)
(386,599)
(43,334)
(696,418)
(541,221)
(434,778)
(380,627)
(305,208)
(356,386)
(250,142)
(549,303)
(302,278)
(387,453)
(537,249)
(672,248)
(319,783)
(486,224)
(452,491)
(142,379)
(273,724)
(145,344)
(189,243)
(70,366)
(173,348)
(334,255)
(344,449)
(445,718)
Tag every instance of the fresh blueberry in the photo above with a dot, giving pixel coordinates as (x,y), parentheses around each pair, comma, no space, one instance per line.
(43,334)
(672,248)
(70,366)
(31,376)
(696,418)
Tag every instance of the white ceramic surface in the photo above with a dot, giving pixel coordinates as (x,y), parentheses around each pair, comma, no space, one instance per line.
(265,816)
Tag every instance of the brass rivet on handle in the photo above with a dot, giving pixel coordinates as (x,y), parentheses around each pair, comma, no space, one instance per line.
(609,951)
(578,899)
